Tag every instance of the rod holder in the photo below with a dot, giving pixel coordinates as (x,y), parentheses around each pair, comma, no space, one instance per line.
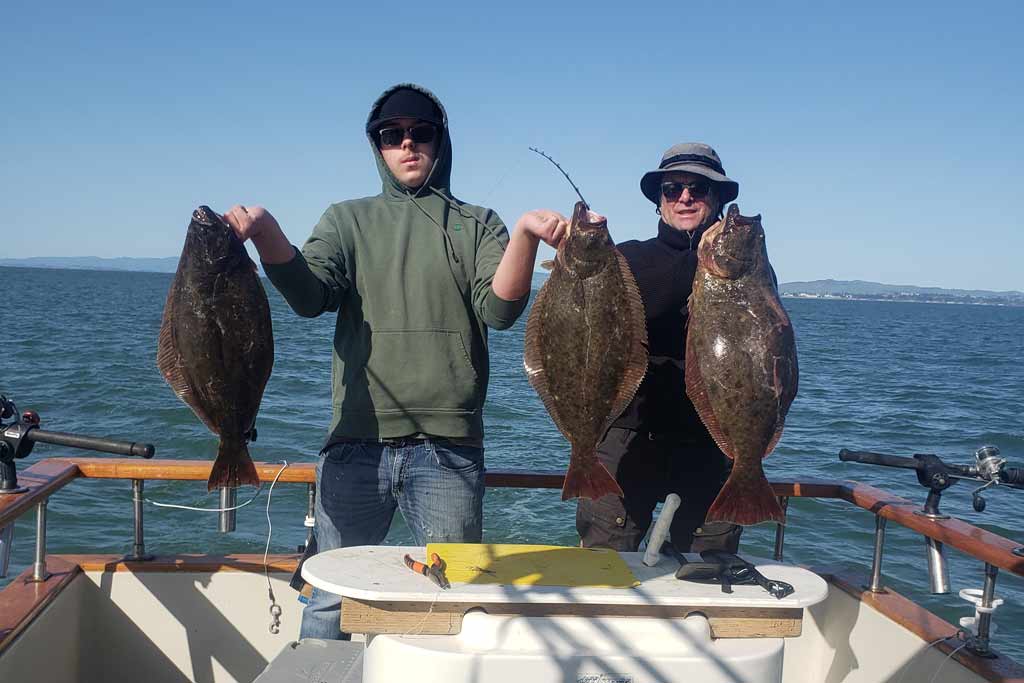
(876,562)
(6,543)
(780,529)
(138,553)
(938,571)
(39,572)
(228,496)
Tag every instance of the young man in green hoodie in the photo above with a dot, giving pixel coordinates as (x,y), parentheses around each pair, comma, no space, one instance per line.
(416,277)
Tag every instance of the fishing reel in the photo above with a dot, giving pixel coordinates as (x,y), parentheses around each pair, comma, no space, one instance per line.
(14,442)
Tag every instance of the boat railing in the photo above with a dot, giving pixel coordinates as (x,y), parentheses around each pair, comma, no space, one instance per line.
(46,477)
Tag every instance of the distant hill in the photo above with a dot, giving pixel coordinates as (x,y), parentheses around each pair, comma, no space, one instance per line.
(153,265)
(860,289)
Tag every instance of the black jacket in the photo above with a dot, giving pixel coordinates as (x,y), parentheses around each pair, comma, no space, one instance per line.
(664,267)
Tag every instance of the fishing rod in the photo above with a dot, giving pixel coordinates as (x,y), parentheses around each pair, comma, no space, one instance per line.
(937,475)
(19,436)
(548,157)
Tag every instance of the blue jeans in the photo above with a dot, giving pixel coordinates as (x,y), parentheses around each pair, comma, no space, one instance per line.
(438,486)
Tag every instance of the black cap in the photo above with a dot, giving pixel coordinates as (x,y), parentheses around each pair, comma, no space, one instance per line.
(406,103)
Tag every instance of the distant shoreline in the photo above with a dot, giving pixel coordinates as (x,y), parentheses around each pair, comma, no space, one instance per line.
(825,290)
(905,300)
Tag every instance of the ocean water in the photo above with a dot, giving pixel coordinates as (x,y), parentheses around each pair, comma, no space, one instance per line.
(79,348)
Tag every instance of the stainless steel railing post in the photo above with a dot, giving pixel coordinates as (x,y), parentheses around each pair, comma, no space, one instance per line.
(228,497)
(988,594)
(138,553)
(938,571)
(780,529)
(876,562)
(6,542)
(39,572)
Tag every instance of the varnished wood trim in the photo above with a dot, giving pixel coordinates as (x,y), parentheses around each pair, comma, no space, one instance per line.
(23,599)
(42,480)
(184,563)
(925,624)
(303,472)
(445,618)
(967,538)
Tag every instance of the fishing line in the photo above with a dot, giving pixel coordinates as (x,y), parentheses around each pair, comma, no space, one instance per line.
(906,667)
(275,609)
(195,509)
(948,657)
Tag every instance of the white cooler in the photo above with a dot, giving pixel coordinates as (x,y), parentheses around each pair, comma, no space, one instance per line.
(500,649)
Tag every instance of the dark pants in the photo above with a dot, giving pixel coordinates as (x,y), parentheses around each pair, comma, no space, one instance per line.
(648,467)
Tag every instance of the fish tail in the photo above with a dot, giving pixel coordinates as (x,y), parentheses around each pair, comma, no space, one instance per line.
(233,466)
(588,481)
(746,498)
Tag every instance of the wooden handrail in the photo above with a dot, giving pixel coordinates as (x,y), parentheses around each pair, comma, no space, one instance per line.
(42,480)
(48,476)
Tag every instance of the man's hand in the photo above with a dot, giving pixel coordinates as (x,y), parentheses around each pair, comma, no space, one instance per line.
(544,225)
(257,224)
(252,221)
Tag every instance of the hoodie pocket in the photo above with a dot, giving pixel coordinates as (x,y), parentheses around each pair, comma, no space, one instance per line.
(421,370)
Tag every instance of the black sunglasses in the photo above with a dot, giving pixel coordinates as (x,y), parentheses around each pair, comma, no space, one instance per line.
(420,133)
(673,190)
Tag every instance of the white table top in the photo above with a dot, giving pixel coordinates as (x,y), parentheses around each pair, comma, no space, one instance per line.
(378,573)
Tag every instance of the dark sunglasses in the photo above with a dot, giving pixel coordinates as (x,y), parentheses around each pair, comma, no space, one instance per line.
(420,133)
(672,191)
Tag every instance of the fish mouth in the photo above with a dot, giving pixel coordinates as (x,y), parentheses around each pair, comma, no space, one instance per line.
(204,215)
(586,220)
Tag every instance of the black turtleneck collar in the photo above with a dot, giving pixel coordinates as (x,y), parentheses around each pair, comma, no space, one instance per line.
(680,240)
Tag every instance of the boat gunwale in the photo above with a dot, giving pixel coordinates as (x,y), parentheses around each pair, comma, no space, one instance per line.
(46,477)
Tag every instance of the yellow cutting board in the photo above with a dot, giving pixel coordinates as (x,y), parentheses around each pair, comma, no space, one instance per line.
(533,565)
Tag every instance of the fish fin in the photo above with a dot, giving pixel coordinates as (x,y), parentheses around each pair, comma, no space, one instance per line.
(785,376)
(533,358)
(747,498)
(547,264)
(636,360)
(233,466)
(697,392)
(593,481)
(169,362)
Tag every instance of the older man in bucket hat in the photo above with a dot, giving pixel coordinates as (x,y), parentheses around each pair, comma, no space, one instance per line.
(659,445)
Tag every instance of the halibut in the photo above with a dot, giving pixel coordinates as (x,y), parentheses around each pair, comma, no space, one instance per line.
(216,345)
(586,347)
(741,362)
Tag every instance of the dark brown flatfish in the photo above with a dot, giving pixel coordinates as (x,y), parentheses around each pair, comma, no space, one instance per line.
(741,366)
(586,347)
(216,346)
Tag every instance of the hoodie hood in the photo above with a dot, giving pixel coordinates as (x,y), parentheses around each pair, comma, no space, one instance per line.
(439,177)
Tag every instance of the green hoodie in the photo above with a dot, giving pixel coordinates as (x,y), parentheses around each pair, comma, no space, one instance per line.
(409,274)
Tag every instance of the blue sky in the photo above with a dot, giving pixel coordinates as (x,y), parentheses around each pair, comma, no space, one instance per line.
(878,141)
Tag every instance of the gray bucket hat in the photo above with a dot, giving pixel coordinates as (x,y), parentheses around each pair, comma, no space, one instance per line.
(690,157)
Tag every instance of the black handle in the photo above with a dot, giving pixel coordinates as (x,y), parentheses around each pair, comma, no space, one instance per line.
(869,458)
(91,443)
(1013,475)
